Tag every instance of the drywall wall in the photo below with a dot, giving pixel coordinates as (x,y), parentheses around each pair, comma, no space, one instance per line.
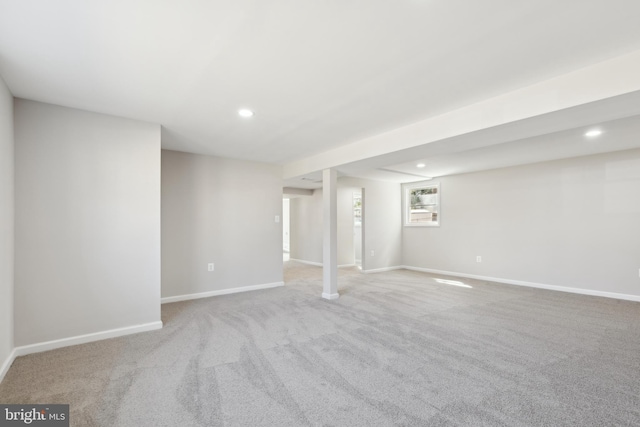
(87,223)
(285,225)
(219,211)
(345,227)
(571,223)
(6,223)
(306,227)
(381,219)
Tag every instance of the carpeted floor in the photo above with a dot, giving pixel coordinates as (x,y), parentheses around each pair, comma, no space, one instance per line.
(397,348)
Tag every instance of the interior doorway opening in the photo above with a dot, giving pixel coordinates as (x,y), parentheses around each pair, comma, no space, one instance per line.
(357,229)
(286,236)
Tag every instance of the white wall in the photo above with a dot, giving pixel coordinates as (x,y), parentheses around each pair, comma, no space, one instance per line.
(220,211)
(305,216)
(306,227)
(87,223)
(572,223)
(346,250)
(285,225)
(382,217)
(6,223)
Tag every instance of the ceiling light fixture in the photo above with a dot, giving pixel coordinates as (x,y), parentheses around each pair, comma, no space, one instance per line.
(593,133)
(420,165)
(246,113)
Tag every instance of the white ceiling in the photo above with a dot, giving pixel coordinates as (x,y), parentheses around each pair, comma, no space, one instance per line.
(616,136)
(546,137)
(318,74)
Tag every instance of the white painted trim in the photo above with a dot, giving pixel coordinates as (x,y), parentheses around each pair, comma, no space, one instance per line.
(530,284)
(319,264)
(302,261)
(228,291)
(7,364)
(330,296)
(83,339)
(406,202)
(382,270)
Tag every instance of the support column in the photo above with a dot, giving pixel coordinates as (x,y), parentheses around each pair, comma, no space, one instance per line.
(330,234)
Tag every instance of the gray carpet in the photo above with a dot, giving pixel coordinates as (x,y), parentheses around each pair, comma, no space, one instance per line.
(397,348)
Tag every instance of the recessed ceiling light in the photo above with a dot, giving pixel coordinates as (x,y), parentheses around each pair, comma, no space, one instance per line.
(420,165)
(244,112)
(594,132)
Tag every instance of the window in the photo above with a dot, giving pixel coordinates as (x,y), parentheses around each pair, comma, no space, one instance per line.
(422,205)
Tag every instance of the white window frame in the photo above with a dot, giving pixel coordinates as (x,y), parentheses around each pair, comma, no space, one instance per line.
(406,193)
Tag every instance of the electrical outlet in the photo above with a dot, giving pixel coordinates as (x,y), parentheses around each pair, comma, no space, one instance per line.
(277,218)
(211,266)
(478,258)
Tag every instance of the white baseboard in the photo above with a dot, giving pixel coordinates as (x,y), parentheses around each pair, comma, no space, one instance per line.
(7,364)
(83,339)
(318,264)
(381,270)
(330,296)
(208,294)
(302,261)
(530,284)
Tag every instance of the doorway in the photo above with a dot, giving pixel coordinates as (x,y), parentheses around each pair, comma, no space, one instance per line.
(357,229)
(285,229)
